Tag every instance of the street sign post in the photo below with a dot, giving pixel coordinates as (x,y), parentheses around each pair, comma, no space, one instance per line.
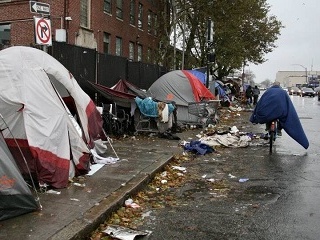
(39,7)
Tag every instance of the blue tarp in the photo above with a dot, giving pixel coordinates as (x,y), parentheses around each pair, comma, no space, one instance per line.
(275,103)
(149,108)
(201,76)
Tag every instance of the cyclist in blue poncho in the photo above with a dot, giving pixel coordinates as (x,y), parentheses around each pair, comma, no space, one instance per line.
(274,104)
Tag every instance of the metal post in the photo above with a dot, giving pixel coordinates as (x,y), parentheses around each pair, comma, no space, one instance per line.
(174,33)
(306,76)
(208,52)
(184,35)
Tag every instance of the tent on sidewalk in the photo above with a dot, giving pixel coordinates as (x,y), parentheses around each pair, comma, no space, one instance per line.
(181,87)
(15,196)
(122,93)
(39,99)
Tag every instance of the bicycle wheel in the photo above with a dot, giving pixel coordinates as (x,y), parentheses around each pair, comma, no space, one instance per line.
(271,140)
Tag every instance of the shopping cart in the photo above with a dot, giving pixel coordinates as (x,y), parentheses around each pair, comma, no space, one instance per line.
(206,111)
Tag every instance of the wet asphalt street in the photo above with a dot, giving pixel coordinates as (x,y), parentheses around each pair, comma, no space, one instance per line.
(279,200)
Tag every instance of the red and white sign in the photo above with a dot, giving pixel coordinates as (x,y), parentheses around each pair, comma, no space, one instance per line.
(43,31)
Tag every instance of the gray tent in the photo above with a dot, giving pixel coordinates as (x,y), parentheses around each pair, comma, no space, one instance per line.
(183,88)
(15,196)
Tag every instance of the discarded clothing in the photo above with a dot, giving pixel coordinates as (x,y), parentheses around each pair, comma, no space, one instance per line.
(196,146)
(275,103)
(103,160)
(227,140)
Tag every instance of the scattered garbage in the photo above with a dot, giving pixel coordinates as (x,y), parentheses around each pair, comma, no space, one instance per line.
(79,184)
(164,181)
(198,147)
(53,192)
(242,180)
(234,129)
(182,169)
(130,203)
(75,199)
(211,180)
(124,233)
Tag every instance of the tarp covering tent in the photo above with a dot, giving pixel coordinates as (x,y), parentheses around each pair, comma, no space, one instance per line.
(181,87)
(122,93)
(200,75)
(15,195)
(33,86)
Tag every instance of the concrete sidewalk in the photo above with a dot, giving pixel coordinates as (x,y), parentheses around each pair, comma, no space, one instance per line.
(79,210)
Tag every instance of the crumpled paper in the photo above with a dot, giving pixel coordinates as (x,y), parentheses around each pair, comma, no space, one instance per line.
(123,233)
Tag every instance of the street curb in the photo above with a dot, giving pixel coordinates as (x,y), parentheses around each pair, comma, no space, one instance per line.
(90,221)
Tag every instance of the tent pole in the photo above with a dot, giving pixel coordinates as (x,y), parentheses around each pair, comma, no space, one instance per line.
(109,141)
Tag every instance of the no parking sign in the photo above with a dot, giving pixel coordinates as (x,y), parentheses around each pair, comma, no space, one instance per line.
(43,31)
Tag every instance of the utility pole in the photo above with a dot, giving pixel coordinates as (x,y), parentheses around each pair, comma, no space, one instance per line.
(209,52)
(305,69)
(174,18)
(184,34)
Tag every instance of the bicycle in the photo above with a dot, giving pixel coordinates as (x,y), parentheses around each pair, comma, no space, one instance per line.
(272,130)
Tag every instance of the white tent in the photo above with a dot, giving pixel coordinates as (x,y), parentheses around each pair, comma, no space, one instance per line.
(34,88)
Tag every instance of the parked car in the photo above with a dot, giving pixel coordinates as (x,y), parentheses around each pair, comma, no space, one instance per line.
(308,92)
(295,91)
(286,89)
(317,89)
(318,96)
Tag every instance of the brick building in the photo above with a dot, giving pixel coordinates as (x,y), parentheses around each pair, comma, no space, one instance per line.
(117,27)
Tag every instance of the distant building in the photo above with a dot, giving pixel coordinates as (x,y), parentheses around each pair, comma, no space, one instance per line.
(298,78)
(123,27)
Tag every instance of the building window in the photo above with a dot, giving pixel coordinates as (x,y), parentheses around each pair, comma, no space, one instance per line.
(132,12)
(85,13)
(140,16)
(119,46)
(139,53)
(131,50)
(107,7)
(5,36)
(119,11)
(149,54)
(149,22)
(155,24)
(106,42)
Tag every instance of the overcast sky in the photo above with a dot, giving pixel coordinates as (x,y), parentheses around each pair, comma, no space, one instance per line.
(299,42)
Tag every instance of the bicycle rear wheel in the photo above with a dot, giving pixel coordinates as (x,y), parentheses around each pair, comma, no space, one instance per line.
(271,140)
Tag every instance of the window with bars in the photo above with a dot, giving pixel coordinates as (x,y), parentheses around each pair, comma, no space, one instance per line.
(131,50)
(150,21)
(119,11)
(107,6)
(106,42)
(155,24)
(140,16)
(132,12)
(139,53)
(119,46)
(149,55)
(85,13)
